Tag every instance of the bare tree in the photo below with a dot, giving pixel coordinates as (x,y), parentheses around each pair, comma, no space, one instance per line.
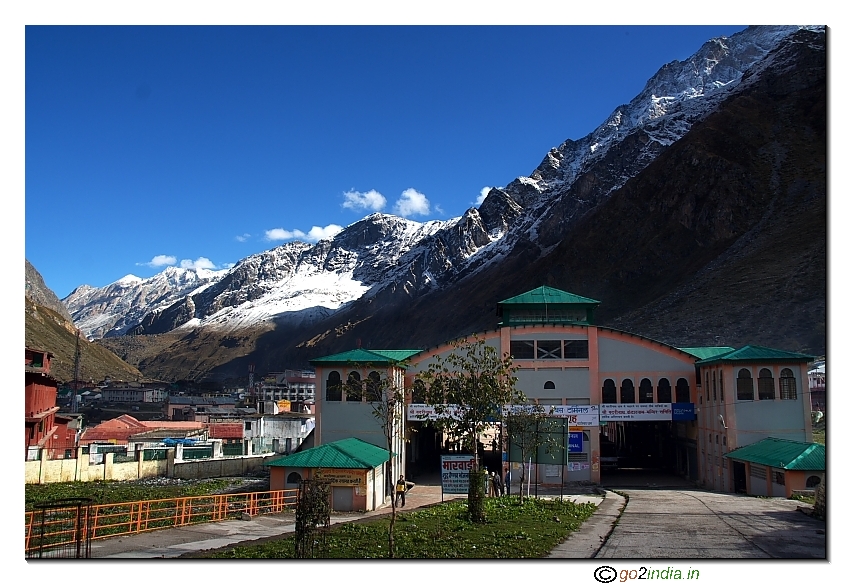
(467,389)
(523,424)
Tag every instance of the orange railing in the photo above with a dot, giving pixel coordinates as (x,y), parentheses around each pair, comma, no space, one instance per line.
(45,531)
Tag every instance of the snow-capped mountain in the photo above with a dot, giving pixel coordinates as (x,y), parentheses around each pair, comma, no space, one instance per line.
(383,254)
(115,308)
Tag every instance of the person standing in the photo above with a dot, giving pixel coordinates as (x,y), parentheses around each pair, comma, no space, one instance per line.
(491,483)
(497,482)
(508,480)
(401,488)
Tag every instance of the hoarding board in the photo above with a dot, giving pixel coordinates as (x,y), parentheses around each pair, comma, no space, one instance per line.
(421,412)
(454,473)
(576,415)
(343,477)
(683,412)
(635,412)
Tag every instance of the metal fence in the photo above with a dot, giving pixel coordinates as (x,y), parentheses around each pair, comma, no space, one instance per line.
(107,520)
(60,530)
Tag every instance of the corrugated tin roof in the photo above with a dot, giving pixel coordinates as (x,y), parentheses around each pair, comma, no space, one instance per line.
(707,351)
(548,295)
(756,353)
(363,356)
(783,453)
(351,453)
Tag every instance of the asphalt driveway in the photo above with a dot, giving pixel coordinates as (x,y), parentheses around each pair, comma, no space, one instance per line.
(696,524)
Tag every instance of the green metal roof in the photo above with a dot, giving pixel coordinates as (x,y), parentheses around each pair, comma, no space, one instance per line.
(707,351)
(363,356)
(548,295)
(351,453)
(783,453)
(756,353)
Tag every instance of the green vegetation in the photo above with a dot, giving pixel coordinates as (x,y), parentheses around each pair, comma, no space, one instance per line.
(819,436)
(113,492)
(511,531)
(803,498)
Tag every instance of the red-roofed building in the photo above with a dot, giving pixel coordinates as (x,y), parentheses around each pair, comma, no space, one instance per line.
(118,431)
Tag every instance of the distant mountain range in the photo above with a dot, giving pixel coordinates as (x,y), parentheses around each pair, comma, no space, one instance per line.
(696,214)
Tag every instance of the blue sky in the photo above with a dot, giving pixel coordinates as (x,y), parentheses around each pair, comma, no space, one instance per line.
(194,145)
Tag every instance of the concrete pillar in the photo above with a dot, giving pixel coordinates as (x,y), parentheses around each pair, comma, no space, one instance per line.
(78,468)
(178,453)
(107,465)
(42,465)
(217,451)
(170,457)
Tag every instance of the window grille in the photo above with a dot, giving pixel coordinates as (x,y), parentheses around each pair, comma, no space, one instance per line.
(787,384)
(767,390)
(745,385)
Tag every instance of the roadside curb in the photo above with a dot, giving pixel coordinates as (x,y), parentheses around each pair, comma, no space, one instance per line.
(589,538)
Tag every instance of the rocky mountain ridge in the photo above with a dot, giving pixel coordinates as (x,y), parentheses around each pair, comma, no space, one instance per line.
(382,265)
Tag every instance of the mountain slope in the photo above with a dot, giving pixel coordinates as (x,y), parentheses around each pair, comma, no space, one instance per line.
(48,330)
(714,172)
(37,291)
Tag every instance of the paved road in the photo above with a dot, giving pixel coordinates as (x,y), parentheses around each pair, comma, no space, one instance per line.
(696,524)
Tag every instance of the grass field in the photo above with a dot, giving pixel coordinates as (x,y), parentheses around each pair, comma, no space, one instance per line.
(512,531)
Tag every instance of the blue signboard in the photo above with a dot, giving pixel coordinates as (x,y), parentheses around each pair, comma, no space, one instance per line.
(683,412)
(575,441)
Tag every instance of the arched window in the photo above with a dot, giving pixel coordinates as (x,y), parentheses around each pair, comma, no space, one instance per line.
(683,391)
(549,385)
(627,391)
(812,482)
(787,384)
(665,391)
(293,478)
(418,392)
(609,391)
(645,392)
(767,390)
(353,387)
(373,387)
(745,385)
(334,387)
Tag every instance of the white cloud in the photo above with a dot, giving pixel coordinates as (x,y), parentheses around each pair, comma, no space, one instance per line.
(284,235)
(160,261)
(372,200)
(412,203)
(319,233)
(199,263)
(227,265)
(483,195)
(313,235)
(243,238)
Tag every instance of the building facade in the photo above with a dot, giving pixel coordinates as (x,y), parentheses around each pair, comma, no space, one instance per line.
(654,402)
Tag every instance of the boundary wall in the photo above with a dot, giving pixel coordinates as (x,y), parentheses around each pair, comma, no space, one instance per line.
(79,469)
